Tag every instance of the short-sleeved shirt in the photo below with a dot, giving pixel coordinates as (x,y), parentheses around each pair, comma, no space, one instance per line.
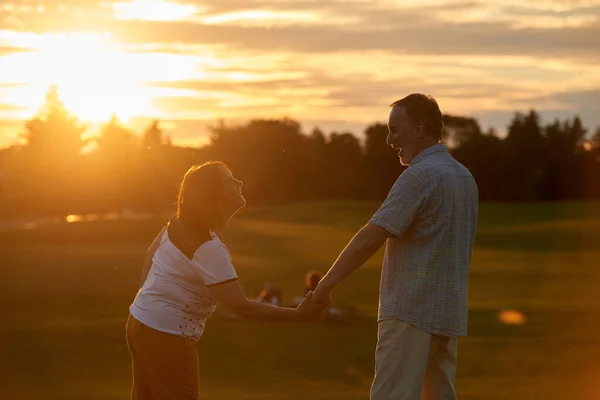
(175,298)
(431,211)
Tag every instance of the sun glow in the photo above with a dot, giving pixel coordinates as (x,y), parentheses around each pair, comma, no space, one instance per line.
(95,80)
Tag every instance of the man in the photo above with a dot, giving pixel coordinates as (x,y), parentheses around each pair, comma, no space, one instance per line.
(429,221)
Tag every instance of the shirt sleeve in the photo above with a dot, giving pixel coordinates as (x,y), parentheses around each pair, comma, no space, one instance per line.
(402,205)
(213,261)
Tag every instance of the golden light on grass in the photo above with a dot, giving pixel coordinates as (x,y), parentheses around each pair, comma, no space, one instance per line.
(91,217)
(74,218)
(512,317)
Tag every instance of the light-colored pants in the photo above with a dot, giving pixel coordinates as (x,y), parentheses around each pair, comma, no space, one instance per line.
(411,364)
(164,366)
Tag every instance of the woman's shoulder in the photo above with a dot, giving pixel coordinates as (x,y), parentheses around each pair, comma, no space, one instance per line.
(212,249)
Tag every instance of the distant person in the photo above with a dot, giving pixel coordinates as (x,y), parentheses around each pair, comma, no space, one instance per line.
(271,294)
(188,270)
(311,280)
(429,221)
(333,312)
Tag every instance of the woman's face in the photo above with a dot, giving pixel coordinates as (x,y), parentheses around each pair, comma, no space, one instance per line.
(231,195)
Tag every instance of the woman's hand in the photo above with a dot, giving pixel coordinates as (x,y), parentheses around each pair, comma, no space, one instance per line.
(232,296)
(309,309)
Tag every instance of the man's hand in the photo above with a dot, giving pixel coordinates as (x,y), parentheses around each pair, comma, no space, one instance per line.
(322,295)
(309,309)
(362,246)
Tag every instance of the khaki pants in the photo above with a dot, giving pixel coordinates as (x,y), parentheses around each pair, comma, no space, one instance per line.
(165,367)
(411,364)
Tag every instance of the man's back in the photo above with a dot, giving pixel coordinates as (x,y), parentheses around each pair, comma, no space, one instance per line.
(432,211)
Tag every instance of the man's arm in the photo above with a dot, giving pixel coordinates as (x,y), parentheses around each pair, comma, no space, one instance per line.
(232,295)
(363,245)
(392,219)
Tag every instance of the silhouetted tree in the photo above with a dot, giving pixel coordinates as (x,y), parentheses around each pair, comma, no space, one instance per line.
(5,155)
(316,163)
(564,160)
(523,158)
(590,179)
(154,138)
(596,138)
(160,171)
(49,160)
(116,163)
(115,141)
(269,155)
(459,130)
(279,163)
(381,163)
(342,170)
(53,134)
(482,154)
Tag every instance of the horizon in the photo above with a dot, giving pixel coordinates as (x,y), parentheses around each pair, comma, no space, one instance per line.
(191,64)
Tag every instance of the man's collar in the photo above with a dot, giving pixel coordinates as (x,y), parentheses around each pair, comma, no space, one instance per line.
(436,148)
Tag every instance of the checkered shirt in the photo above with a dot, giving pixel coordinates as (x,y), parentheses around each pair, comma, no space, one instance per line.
(432,212)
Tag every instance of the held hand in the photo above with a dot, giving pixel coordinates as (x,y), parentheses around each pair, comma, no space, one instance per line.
(309,309)
(322,295)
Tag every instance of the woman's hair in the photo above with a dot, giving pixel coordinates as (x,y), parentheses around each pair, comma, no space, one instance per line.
(199,195)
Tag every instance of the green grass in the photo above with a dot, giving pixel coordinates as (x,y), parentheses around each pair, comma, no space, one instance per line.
(65,290)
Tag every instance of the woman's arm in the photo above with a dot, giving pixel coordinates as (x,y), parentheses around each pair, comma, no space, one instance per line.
(232,295)
(149,256)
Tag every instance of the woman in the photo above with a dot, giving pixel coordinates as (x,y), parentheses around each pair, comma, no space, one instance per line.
(187,271)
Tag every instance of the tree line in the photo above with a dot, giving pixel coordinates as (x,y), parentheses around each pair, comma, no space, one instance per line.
(50,174)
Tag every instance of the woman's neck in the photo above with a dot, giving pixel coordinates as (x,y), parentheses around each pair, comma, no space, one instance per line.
(220,225)
(220,231)
(217,225)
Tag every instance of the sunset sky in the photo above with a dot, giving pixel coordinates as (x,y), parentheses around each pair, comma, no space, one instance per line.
(335,64)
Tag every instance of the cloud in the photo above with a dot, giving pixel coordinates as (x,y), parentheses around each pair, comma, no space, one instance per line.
(576,100)
(353,97)
(6,50)
(9,107)
(566,104)
(585,98)
(153,10)
(561,105)
(185,106)
(441,29)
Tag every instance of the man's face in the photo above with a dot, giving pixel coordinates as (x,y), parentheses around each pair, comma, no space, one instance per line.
(402,133)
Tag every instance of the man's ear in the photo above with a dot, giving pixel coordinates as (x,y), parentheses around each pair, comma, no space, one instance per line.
(420,129)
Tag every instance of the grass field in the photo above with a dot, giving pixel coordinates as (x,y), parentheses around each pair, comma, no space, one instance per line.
(65,289)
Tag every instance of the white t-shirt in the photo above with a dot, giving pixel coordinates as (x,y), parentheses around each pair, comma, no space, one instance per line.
(175,298)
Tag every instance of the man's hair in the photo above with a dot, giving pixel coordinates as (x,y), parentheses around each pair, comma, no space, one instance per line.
(199,196)
(423,108)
